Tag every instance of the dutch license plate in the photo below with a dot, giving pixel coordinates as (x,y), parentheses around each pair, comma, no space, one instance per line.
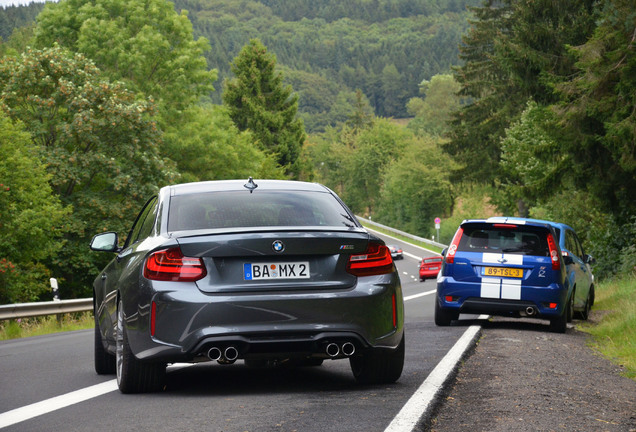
(503,272)
(261,271)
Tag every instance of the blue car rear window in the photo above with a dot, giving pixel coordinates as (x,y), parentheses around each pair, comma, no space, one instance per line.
(521,240)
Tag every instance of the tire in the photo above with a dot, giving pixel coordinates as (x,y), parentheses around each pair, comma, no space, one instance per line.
(443,317)
(134,376)
(560,323)
(104,361)
(378,366)
(585,313)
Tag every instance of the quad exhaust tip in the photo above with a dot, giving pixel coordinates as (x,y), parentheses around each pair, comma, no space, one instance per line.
(227,356)
(347,349)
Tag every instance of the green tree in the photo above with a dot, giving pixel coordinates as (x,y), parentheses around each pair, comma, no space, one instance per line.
(532,161)
(515,51)
(143,43)
(599,112)
(415,190)
(98,143)
(258,101)
(361,116)
(433,112)
(210,147)
(31,217)
(364,158)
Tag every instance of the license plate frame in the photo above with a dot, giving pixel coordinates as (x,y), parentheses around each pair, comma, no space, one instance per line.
(508,272)
(276,271)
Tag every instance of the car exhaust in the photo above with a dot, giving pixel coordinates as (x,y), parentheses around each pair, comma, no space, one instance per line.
(530,311)
(231,354)
(348,349)
(214,353)
(332,350)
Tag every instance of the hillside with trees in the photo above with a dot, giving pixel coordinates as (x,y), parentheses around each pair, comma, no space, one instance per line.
(514,107)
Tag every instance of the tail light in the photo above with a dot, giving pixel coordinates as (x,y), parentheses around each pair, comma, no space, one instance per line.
(505,226)
(554,253)
(171,265)
(376,260)
(450,253)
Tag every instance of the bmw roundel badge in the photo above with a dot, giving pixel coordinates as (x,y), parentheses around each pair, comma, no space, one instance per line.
(278,246)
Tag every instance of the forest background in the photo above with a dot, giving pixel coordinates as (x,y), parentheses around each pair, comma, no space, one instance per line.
(409,109)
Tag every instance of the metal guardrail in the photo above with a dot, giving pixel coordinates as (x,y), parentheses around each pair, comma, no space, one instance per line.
(26,310)
(402,233)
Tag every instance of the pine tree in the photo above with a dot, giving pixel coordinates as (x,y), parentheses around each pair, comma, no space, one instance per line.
(257,100)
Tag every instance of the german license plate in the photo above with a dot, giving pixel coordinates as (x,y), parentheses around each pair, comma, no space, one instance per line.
(503,272)
(262,271)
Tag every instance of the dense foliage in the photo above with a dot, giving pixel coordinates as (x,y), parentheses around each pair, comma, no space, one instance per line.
(385,48)
(104,101)
(552,123)
(98,144)
(32,218)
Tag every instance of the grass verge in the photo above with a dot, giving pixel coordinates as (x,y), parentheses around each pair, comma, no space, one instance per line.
(37,326)
(614,335)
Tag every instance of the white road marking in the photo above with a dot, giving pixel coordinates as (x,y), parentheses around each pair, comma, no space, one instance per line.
(37,409)
(422,294)
(46,406)
(422,400)
(405,421)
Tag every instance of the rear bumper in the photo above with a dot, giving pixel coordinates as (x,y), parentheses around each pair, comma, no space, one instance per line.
(189,322)
(468,297)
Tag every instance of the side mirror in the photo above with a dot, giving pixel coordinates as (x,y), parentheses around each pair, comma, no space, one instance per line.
(444,252)
(105,242)
(589,259)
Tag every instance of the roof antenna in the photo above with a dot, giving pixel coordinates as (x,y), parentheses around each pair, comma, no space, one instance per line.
(250,184)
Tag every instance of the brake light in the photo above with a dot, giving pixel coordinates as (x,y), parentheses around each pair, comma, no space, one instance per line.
(171,265)
(501,225)
(554,254)
(376,260)
(450,253)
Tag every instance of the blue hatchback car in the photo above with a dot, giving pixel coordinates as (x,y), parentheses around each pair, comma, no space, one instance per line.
(505,266)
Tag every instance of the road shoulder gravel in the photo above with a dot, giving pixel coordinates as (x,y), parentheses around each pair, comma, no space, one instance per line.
(521,377)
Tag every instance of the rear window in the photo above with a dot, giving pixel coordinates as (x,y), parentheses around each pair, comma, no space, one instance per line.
(522,240)
(431,260)
(217,210)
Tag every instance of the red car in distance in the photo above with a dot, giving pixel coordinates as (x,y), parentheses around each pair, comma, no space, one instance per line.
(429,267)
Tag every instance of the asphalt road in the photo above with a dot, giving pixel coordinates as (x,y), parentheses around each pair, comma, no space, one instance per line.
(41,375)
